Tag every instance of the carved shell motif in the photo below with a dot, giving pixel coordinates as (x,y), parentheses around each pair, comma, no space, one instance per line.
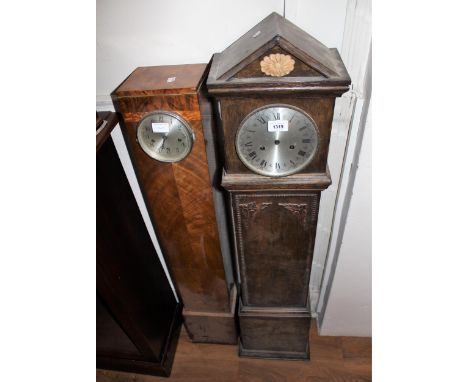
(277,65)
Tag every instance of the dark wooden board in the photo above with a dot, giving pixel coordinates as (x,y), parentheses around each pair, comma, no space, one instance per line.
(275,235)
(276,333)
(138,317)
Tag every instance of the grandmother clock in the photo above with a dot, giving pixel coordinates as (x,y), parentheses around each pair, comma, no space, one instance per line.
(274,90)
(167,122)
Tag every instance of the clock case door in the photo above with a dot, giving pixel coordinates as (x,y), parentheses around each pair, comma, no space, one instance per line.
(275,219)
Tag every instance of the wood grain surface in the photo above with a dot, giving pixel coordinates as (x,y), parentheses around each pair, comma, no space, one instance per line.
(250,182)
(179,199)
(274,332)
(332,359)
(275,235)
(169,79)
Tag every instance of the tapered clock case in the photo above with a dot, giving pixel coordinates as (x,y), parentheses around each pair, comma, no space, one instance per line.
(275,218)
(183,198)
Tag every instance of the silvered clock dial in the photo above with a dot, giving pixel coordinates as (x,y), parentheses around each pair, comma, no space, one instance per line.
(165,136)
(277,140)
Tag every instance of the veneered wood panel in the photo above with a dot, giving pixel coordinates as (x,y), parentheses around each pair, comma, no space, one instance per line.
(275,235)
(179,199)
(168,79)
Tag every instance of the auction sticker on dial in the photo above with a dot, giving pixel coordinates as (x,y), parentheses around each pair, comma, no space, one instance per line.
(277,126)
(160,127)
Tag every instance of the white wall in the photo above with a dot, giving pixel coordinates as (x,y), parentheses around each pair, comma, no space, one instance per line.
(349,308)
(345,299)
(160,32)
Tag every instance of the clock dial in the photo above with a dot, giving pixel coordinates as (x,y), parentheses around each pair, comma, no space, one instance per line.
(277,140)
(165,136)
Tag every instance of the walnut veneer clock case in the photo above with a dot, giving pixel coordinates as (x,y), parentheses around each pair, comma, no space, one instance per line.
(274,90)
(167,122)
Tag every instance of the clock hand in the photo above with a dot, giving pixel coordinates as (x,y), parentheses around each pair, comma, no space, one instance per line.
(164,141)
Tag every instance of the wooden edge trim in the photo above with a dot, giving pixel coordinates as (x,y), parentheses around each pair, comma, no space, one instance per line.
(335,90)
(246,182)
(274,354)
(109,121)
(280,311)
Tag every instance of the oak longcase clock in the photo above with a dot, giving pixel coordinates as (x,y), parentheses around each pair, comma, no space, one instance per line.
(167,122)
(274,91)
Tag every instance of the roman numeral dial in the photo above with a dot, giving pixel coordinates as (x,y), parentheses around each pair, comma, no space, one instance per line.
(277,140)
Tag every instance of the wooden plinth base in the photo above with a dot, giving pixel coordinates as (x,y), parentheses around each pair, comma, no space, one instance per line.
(213,327)
(277,333)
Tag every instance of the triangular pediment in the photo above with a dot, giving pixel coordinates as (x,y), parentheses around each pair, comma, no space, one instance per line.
(276,31)
(299,67)
(277,54)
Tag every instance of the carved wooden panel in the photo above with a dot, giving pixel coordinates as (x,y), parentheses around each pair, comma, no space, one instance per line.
(275,235)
